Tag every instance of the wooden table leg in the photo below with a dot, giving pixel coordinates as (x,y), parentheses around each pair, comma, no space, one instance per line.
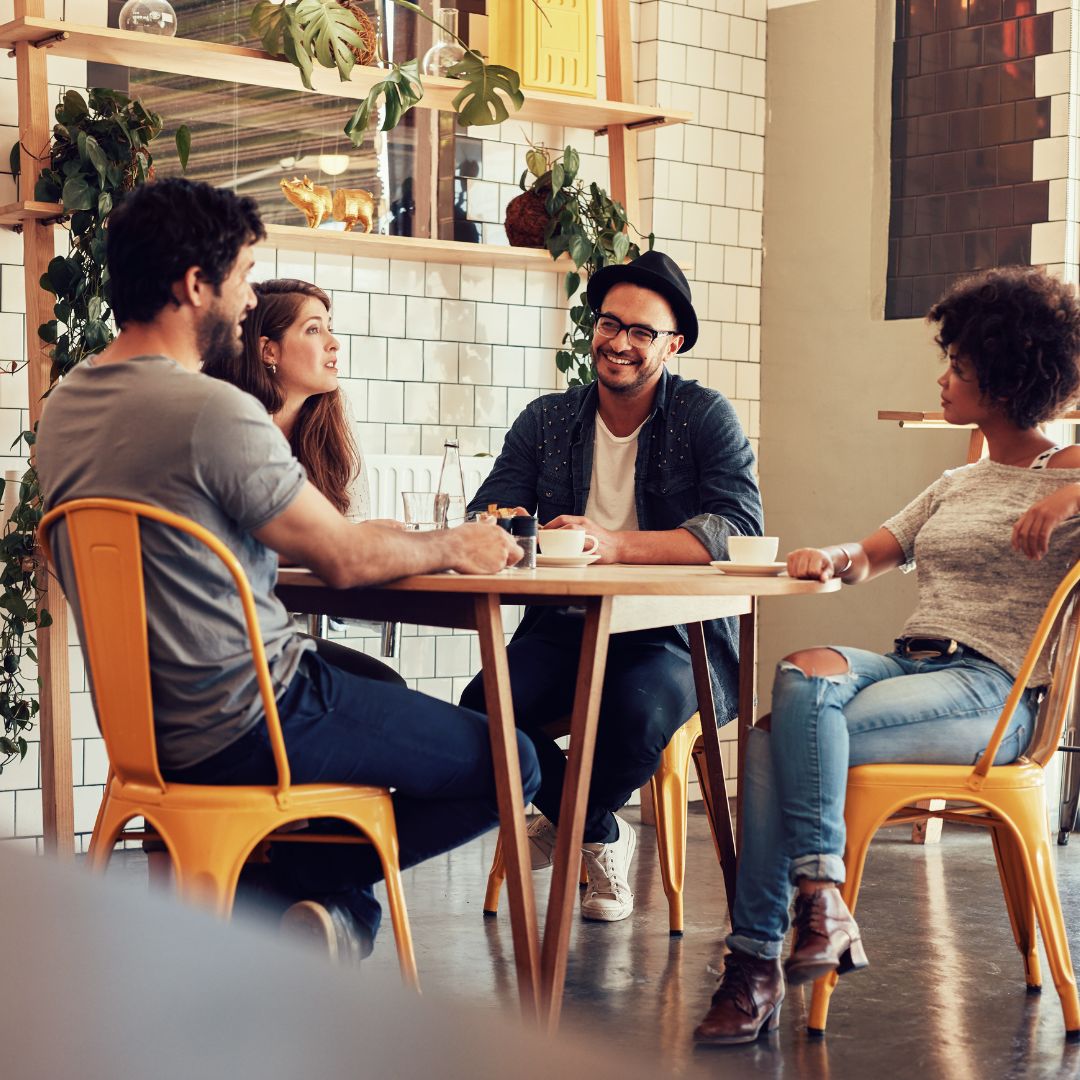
(564,878)
(511,797)
(747,699)
(721,808)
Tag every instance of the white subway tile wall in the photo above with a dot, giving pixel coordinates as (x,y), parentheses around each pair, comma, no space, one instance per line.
(433,351)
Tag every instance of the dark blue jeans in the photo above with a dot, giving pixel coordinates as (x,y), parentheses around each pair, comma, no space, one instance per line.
(648,695)
(343,727)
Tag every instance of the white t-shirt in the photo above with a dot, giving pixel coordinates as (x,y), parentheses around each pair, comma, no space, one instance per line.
(611,490)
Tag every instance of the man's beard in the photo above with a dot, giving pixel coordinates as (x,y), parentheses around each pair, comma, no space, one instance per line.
(217,339)
(642,375)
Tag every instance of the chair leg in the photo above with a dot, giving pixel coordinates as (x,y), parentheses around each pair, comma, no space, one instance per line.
(107,828)
(496,876)
(383,835)
(203,883)
(669,792)
(1030,820)
(698,757)
(862,823)
(1018,901)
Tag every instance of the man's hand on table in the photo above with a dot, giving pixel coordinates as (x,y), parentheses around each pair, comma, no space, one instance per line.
(482,548)
(609,542)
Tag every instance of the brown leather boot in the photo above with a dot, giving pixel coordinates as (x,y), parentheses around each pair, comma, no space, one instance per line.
(746,1002)
(826,938)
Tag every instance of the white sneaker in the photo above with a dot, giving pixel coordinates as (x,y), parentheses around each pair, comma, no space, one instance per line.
(608,897)
(542,837)
(330,928)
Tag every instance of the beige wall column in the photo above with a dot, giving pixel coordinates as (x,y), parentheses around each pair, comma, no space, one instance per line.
(830,470)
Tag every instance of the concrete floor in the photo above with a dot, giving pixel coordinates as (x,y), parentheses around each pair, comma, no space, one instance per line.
(947,1003)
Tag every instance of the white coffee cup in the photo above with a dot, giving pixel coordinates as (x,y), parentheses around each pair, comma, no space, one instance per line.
(753,549)
(566,542)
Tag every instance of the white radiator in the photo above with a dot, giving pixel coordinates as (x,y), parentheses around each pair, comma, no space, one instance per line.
(391,474)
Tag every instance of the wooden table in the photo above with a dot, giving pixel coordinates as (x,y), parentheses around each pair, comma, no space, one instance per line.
(615,599)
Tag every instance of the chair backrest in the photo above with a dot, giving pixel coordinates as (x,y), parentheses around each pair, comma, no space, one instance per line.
(1059,630)
(106,555)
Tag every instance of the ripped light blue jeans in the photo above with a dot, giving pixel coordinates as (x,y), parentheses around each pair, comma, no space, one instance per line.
(883,709)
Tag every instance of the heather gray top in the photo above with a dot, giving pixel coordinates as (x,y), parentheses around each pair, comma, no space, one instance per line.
(152,431)
(972,585)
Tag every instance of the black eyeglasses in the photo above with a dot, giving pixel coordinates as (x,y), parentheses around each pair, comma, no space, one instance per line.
(641,337)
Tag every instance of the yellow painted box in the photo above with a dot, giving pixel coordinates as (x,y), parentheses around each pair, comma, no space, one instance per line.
(556,53)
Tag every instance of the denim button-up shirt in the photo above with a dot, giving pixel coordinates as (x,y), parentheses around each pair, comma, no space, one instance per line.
(694,471)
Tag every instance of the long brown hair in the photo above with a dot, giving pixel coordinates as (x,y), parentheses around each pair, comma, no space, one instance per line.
(321,439)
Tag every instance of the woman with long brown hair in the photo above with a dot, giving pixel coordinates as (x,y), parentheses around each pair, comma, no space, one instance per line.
(289,362)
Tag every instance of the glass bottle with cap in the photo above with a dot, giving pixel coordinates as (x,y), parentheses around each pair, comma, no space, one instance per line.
(450,494)
(523,530)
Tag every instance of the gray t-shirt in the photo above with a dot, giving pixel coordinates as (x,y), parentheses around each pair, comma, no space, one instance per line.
(152,431)
(973,586)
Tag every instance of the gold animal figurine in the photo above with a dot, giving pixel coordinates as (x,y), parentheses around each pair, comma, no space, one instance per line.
(313,200)
(353,205)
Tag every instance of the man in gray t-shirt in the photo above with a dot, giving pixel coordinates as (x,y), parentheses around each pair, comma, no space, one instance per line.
(139,421)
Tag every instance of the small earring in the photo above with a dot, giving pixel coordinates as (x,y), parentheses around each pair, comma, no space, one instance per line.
(272,368)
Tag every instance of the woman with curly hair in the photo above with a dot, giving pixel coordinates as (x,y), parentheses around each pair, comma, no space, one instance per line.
(992,541)
(289,362)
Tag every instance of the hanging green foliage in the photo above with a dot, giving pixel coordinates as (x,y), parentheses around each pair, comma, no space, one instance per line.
(99,151)
(590,227)
(309,32)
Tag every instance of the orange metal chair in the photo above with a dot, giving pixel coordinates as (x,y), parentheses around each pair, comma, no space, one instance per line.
(1009,800)
(209,831)
(670,786)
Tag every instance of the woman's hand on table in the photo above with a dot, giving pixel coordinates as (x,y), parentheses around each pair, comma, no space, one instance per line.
(1032,531)
(482,548)
(388,523)
(810,564)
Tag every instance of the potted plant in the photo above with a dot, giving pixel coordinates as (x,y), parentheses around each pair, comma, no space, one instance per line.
(558,211)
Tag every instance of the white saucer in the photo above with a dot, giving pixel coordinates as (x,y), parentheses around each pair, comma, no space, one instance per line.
(565,560)
(770,569)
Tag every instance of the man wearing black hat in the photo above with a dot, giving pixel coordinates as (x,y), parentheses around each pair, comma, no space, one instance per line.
(658,469)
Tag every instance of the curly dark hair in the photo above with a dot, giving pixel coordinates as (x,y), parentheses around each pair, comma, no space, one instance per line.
(163,228)
(1019,327)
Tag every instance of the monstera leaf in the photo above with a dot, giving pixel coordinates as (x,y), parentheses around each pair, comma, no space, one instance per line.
(331,32)
(401,90)
(268,23)
(306,32)
(481,102)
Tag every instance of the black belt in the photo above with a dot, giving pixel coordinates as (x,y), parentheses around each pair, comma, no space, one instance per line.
(930,648)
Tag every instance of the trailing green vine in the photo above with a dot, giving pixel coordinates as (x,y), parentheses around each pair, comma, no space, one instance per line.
(326,32)
(586,224)
(100,149)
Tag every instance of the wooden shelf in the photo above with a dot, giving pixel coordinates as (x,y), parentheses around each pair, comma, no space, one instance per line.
(366,245)
(18,213)
(416,249)
(208,60)
(937,419)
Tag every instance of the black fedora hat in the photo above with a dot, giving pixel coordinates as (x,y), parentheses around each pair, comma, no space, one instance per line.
(656,271)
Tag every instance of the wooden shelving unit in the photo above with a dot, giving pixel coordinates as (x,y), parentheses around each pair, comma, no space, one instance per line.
(31,37)
(208,60)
